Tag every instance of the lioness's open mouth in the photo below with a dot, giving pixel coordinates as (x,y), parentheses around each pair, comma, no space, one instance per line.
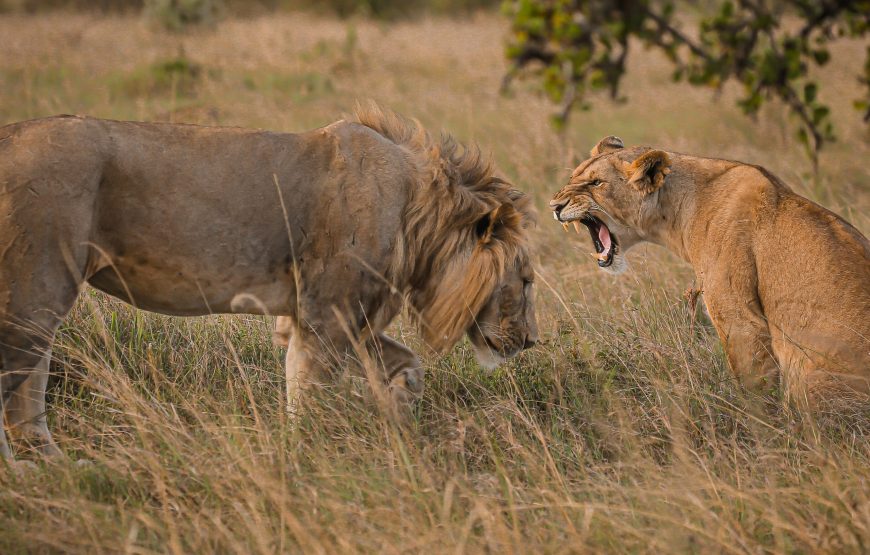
(605,242)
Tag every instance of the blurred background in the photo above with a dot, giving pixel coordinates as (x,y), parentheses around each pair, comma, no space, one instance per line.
(623,431)
(208,11)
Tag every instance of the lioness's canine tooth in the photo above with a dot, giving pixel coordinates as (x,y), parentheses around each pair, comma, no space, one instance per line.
(576,226)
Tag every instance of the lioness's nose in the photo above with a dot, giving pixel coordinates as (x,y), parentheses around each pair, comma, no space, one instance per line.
(529,342)
(558,204)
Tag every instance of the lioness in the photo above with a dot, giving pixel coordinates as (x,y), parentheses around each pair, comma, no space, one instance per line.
(332,229)
(785,281)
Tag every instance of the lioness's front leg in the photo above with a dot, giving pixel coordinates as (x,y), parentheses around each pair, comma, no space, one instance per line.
(403,372)
(737,315)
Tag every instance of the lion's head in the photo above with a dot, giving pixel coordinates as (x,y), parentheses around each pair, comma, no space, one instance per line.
(463,249)
(484,287)
(505,324)
(610,193)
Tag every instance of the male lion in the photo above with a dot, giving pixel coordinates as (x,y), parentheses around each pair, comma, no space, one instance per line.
(786,282)
(333,229)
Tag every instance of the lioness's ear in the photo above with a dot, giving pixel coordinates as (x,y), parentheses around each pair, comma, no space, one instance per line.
(487,226)
(607,144)
(648,172)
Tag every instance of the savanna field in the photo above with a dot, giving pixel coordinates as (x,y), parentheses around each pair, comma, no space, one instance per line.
(623,431)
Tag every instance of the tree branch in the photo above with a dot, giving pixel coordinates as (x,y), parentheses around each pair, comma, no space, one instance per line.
(679,36)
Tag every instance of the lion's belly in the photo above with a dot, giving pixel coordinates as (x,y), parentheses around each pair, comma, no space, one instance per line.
(186,295)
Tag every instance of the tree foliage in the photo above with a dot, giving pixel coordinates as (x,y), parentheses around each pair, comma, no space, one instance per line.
(768,46)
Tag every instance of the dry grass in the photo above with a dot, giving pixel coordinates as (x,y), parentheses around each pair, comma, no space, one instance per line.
(622,432)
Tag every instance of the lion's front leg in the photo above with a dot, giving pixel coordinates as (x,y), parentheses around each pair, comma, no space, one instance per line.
(283,331)
(303,364)
(402,372)
(306,364)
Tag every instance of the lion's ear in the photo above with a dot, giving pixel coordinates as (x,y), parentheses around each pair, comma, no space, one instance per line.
(488,225)
(648,172)
(607,144)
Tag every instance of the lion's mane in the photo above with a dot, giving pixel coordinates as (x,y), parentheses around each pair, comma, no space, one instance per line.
(450,269)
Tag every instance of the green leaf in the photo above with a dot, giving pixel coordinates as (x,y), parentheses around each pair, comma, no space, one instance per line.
(820,113)
(821,56)
(810,90)
(803,136)
(558,122)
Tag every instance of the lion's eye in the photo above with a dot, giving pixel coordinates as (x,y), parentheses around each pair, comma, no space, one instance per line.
(595,183)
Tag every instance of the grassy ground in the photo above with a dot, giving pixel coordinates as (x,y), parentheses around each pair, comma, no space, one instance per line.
(622,432)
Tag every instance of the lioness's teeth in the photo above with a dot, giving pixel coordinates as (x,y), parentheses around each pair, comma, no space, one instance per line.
(576,226)
(565,226)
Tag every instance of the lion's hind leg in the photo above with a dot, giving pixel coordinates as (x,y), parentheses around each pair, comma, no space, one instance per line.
(5,452)
(26,353)
(26,413)
(27,328)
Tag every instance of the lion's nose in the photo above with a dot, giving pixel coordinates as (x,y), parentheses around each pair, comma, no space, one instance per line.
(529,342)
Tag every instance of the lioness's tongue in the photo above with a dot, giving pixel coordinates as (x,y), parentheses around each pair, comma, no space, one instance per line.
(604,237)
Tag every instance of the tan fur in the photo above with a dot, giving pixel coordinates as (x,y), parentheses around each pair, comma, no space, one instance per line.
(330,230)
(786,282)
(606,145)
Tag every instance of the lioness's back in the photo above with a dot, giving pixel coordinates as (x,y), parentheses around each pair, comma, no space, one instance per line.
(814,283)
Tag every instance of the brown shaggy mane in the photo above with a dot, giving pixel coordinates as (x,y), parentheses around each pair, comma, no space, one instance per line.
(450,274)
(452,162)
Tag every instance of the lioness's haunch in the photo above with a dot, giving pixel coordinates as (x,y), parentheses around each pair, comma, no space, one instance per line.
(333,230)
(785,281)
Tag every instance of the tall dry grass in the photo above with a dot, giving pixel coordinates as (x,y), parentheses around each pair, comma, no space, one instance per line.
(622,432)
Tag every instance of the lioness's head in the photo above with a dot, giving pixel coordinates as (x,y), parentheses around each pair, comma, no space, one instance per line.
(608,193)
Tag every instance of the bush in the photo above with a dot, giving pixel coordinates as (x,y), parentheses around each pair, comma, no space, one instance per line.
(179,76)
(176,15)
(391,9)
